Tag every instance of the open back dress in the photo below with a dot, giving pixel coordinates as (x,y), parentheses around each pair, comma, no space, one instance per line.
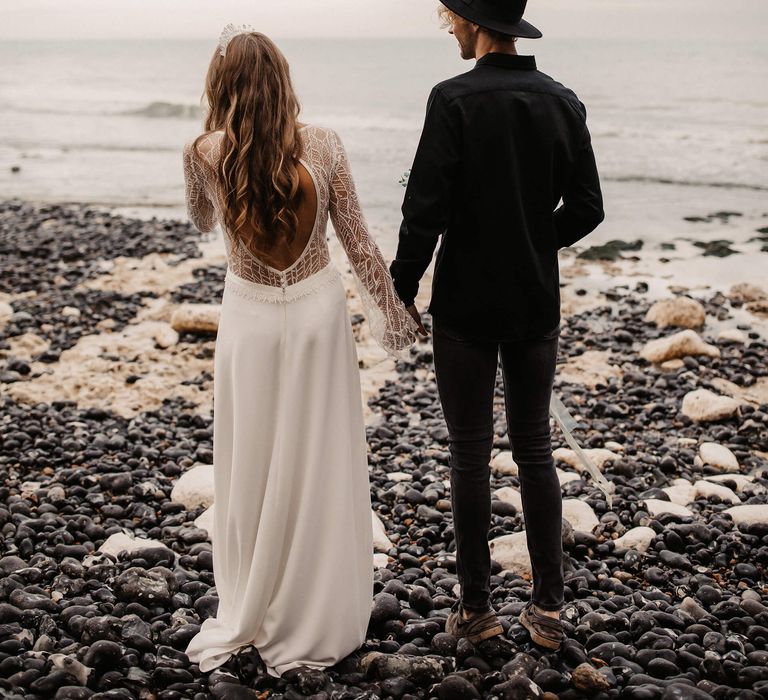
(292,536)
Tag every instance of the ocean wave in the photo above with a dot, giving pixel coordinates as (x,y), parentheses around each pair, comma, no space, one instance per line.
(166,110)
(687,183)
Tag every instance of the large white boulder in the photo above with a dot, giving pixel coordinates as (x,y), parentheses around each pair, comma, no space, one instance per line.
(6,311)
(580,514)
(381,541)
(703,406)
(718,456)
(565,477)
(681,492)
(598,455)
(705,489)
(679,345)
(196,318)
(590,369)
(656,507)
(511,495)
(504,464)
(732,335)
(682,312)
(638,538)
(511,551)
(748,514)
(194,487)
(205,520)
(741,481)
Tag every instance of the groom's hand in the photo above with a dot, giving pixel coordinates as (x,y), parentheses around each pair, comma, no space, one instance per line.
(417,317)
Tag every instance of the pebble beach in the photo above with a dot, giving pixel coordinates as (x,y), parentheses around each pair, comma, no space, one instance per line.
(107,335)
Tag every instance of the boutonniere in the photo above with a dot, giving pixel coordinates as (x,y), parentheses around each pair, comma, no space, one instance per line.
(404,178)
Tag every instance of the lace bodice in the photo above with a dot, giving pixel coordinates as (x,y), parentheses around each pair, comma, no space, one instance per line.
(325,159)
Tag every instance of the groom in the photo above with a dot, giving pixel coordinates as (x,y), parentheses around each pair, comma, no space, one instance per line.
(502,145)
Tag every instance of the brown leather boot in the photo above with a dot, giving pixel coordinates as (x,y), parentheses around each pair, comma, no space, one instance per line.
(479,626)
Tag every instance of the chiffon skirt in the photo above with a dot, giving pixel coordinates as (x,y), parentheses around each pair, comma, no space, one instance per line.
(292,536)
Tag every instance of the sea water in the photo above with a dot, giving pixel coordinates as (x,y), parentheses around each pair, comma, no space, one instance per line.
(679,127)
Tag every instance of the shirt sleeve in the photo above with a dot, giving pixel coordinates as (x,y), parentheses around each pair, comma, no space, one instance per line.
(426,207)
(390,323)
(582,209)
(199,207)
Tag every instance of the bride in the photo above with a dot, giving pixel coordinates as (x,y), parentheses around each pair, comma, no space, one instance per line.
(292,534)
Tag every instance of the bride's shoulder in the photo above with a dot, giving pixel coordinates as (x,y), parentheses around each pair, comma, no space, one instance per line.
(206,146)
(320,133)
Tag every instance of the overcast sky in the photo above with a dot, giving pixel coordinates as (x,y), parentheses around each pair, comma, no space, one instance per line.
(77,19)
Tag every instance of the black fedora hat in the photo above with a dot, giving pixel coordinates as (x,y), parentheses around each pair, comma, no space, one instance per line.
(505,16)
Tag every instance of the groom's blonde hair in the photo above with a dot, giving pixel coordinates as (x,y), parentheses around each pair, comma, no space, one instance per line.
(449,18)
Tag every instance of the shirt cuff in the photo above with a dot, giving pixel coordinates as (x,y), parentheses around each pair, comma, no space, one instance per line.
(406,288)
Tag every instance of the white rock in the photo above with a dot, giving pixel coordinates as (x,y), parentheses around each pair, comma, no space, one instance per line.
(740,480)
(590,369)
(682,492)
(565,477)
(71,312)
(28,488)
(205,521)
(68,663)
(380,560)
(703,405)
(598,455)
(511,551)
(683,312)
(194,487)
(510,495)
(614,446)
(638,538)
(705,489)
(126,542)
(381,542)
(399,476)
(656,506)
(6,311)
(732,335)
(679,345)
(580,514)
(196,318)
(672,365)
(504,464)
(165,336)
(745,292)
(748,514)
(718,456)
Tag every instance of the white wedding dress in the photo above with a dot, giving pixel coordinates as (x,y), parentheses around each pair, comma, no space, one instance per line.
(292,534)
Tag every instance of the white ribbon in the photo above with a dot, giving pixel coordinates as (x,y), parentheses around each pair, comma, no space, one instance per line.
(567,422)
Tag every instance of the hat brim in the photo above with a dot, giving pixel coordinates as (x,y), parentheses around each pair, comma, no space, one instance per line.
(522,29)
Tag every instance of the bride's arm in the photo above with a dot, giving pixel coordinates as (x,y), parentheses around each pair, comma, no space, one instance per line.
(391,324)
(199,207)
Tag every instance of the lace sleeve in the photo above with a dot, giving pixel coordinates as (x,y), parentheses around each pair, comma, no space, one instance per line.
(390,323)
(199,207)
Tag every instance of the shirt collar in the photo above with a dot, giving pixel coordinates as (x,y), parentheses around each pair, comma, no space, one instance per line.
(508,60)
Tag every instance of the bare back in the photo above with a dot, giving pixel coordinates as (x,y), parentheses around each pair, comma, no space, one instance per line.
(283,253)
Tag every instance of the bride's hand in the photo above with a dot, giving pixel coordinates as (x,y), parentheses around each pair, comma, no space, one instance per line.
(417,317)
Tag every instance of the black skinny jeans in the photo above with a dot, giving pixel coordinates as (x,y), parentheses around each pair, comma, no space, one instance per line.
(466,379)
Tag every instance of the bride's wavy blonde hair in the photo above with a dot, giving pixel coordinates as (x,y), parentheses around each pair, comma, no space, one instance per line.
(250,97)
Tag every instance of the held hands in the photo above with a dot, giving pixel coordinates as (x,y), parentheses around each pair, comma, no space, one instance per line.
(417,317)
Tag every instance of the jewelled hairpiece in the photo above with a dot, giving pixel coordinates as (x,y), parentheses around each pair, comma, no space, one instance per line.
(231,31)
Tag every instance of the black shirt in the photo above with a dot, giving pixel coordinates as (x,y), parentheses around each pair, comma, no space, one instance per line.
(502,145)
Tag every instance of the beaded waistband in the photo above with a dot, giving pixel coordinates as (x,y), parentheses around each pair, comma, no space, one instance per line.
(283,294)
